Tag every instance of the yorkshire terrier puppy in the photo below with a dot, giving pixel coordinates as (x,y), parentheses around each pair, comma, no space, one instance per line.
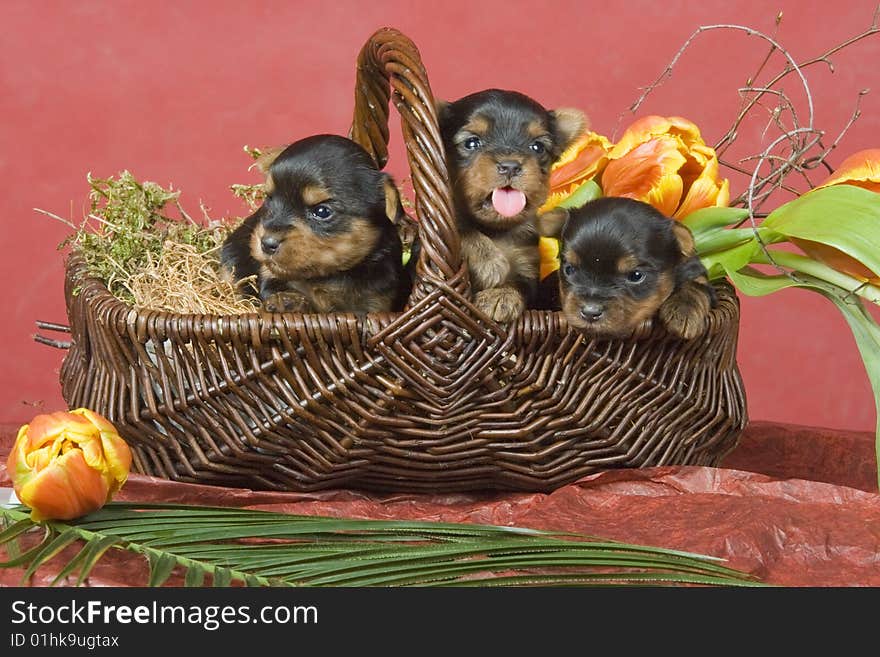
(622,263)
(324,239)
(500,146)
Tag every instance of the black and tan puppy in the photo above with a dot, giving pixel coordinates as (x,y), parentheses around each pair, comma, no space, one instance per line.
(324,238)
(622,263)
(500,146)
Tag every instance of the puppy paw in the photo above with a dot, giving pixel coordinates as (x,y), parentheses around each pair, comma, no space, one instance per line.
(286,302)
(684,313)
(501,304)
(643,330)
(486,263)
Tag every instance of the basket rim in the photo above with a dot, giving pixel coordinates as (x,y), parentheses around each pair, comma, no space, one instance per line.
(77,273)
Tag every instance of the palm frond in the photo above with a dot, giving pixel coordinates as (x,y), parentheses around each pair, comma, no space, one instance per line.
(262,548)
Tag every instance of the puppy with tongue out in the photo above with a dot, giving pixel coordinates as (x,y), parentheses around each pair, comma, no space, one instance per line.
(500,146)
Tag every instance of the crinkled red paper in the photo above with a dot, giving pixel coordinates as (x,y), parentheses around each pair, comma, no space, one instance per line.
(795,506)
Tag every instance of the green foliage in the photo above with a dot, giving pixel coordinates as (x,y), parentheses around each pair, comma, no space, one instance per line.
(259,548)
(842,216)
(128,224)
(586,192)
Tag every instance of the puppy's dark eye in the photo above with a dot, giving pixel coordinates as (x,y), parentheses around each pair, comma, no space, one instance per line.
(472,143)
(568,269)
(635,276)
(322,211)
(538,147)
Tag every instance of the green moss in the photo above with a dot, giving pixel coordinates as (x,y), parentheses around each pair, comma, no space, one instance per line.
(128,223)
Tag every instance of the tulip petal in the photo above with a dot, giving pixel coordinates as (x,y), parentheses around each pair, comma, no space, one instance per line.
(67,488)
(837,259)
(861,169)
(723,199)
(581,161)
(706,191)
(46,427)
(98,421)
(16,462)
(117,458)
(648,127)
(548,247)
(649,171)
(666,194)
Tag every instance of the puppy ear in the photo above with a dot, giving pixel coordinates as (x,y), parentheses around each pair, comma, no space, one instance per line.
(570,124)
(393,206)
(684,238)
(442,107)
(550,223)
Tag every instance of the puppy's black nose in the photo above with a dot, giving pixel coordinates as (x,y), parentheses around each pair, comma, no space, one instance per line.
(509,168)
(270,245)
(592,312)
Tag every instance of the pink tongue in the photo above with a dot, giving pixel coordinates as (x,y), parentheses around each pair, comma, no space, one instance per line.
(508,202)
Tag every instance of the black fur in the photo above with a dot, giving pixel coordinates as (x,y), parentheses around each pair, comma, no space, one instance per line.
(357,191)
(599,236)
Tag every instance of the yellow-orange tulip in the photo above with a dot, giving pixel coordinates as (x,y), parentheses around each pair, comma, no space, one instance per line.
(860,169)
(580,162)
(67,464)
(665,162)
(548,248)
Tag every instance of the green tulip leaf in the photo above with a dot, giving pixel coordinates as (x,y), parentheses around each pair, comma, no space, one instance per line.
(720,263)
(754,283)
(864,328)
(842,216)
(722,239)
(867,335)
(588,191)
(712,218)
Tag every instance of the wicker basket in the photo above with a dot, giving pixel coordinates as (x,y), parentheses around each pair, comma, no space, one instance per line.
(437,398)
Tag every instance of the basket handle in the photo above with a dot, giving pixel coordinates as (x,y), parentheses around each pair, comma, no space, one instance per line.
(390,61)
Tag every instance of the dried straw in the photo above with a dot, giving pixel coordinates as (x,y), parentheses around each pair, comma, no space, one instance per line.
(184,280)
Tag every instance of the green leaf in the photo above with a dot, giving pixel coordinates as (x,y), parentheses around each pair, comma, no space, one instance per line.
(754,283)
(26,557)
(864,328)
(867,335)
(161,566)
(713,218)
(51,548)
(16,529)
(72,565)
(307,550)
(222,577)
(713,241)
(731,260)
(94,550)
(195,576)
(588,191)
(804,265)
(842,216)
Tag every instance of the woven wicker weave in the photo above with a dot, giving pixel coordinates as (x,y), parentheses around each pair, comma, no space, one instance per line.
(437,398)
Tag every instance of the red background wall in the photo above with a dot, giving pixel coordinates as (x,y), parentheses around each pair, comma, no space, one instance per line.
(172,91)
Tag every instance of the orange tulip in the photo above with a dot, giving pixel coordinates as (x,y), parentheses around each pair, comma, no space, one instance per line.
(665,162)
(67,464)
(580,162)
(861,169)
